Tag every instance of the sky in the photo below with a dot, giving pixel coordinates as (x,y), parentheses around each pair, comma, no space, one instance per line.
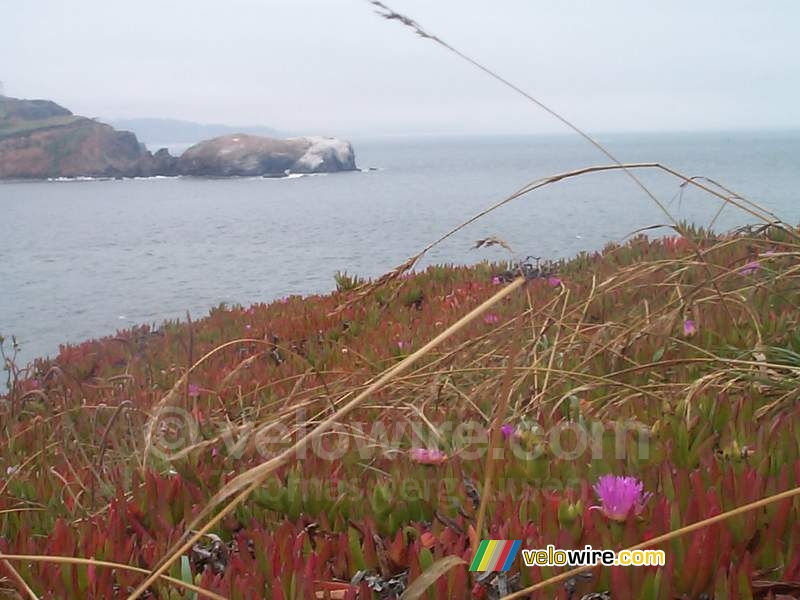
(333,67)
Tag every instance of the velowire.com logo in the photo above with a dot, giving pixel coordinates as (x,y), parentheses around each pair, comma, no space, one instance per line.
(495,555)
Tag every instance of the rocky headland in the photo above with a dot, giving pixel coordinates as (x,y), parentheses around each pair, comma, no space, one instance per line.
(40,140)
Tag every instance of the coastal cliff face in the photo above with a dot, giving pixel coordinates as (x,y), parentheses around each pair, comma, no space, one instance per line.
(83,148)
(40,139)
(250,155)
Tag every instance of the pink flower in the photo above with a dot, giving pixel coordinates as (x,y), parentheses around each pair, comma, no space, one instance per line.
(492,318)
(620,496)
(496,280)
(689,328)
(248,327)
(508,430)
(554,281)
(428,456)
(194,390)
(400,344)
(750,268)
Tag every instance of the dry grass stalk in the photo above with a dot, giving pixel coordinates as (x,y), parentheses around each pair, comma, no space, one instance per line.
(246,482)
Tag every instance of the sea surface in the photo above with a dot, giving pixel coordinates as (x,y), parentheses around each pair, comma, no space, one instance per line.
(81,259)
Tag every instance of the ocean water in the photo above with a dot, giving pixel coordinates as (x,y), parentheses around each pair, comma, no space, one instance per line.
(81,259)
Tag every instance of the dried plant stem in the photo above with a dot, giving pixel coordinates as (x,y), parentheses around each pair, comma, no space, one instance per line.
(553,351)
(751,208)
(16,576)
(662,538)
(246,482)
(181,384)
(71,560)
(387,13)
(498,417)
(390,14)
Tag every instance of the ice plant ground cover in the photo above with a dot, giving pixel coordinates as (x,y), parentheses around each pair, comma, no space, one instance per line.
(604,342)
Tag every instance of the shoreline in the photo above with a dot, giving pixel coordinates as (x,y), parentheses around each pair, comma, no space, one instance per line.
(190,177)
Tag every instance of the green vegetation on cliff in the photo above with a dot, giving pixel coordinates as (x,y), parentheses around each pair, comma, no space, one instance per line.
(20,117)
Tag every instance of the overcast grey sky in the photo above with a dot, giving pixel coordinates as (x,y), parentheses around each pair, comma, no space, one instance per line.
(332,66)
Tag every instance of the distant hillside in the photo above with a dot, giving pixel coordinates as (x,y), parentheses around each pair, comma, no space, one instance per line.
(175,131)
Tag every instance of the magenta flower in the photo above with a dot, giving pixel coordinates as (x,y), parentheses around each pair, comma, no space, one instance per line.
(689,328)
(492,318)
(508,430)
(554,281)
(620,496)
(428,456)
(496,280)
(194,390)
(750,268)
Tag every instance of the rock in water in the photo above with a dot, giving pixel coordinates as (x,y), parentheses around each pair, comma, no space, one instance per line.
(325,154)
(250,155)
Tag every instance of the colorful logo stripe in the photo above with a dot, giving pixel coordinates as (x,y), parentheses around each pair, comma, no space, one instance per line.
(495,555)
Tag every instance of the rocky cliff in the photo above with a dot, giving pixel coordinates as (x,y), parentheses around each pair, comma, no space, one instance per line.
(40,139)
